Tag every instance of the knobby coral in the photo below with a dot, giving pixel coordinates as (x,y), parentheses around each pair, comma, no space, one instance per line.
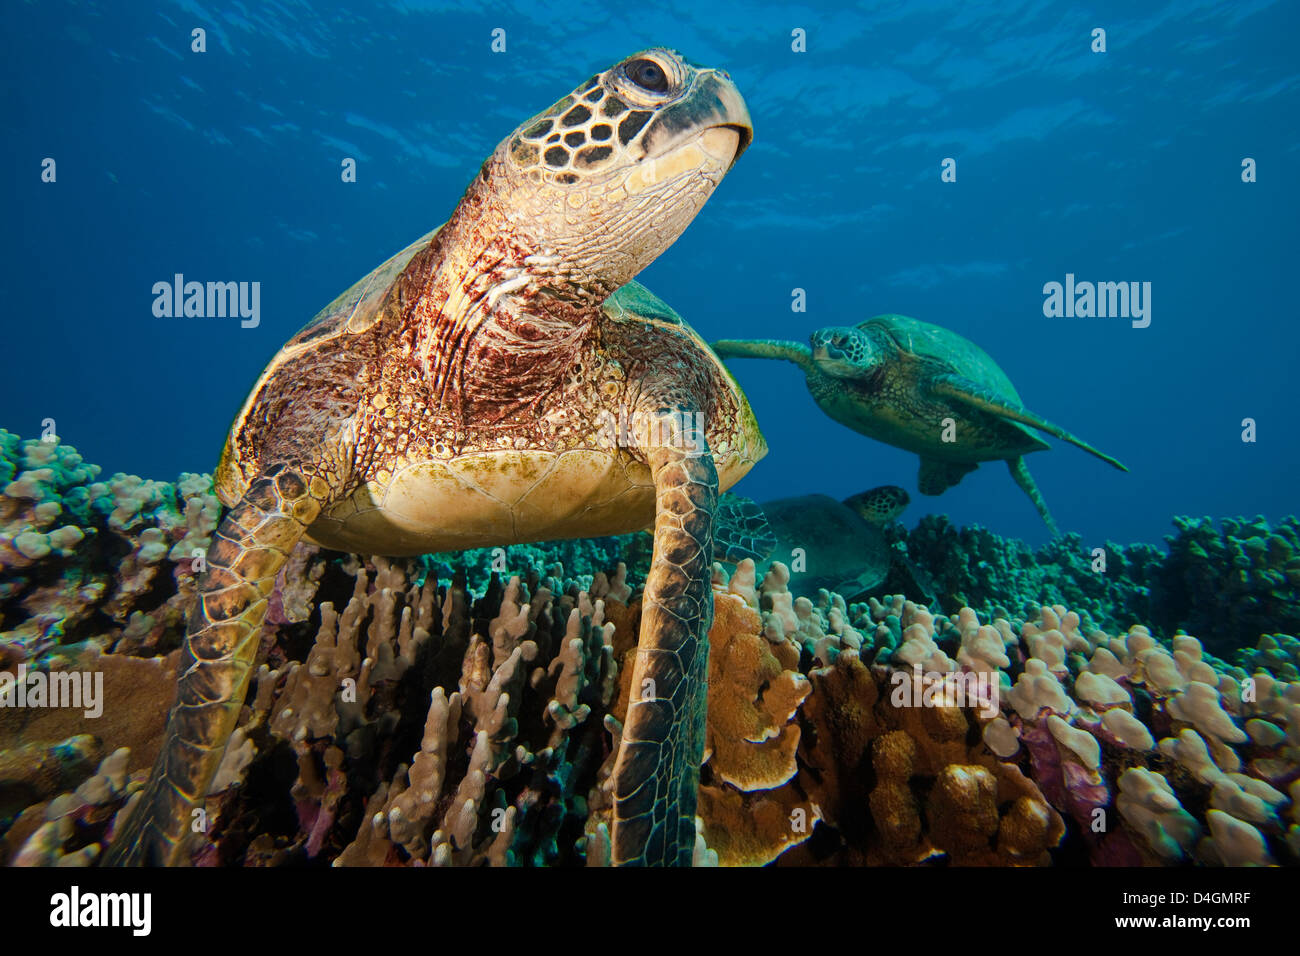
(421,713)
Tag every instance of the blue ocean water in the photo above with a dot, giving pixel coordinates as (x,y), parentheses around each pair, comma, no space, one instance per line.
(1123,165)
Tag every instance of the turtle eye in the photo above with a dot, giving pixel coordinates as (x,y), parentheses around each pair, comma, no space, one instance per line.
(648,75)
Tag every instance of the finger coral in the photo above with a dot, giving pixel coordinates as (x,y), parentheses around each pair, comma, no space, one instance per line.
(465,710)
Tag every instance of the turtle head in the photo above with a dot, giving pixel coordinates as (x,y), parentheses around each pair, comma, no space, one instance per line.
(844,352)
(881,505)
(606,179)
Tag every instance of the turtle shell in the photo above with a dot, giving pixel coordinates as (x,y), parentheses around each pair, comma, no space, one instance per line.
(944,348)
(840,551)
(496,494)
(358,308)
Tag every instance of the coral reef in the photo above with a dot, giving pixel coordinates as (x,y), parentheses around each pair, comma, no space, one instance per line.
(974,567)
(1236,583)
(580,559)
(114,560)
(466,710)
(1233,584)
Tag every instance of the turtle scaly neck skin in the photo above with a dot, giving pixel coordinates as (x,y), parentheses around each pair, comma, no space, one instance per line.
(571,206)
(495,325)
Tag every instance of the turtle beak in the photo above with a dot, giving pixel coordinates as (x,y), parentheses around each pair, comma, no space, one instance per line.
(713,112)
(730,106)
(830,355)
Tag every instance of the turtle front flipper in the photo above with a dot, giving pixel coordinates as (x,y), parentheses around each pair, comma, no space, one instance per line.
(247,551)
(795,352)
(741,530)
(968,392)
(936,476)
(657,773)
(1020,472)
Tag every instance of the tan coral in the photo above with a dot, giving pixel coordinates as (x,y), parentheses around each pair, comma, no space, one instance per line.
(306,708)
(137,694)
(894,808)
(752,810)
(751,739)
(935,792)
(754,829)
(962,811)
(841,715)
(1025,832)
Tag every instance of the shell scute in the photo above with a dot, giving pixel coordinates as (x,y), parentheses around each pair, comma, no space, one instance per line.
(359,307)
(946,348)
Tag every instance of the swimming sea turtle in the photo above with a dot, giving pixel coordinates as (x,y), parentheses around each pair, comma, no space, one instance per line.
(836,545)
(502,380)
(924,389)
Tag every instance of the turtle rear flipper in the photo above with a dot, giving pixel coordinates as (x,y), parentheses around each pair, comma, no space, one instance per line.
(1020,472)
(247,551)
(963,390)
(741,530)
(907,579)
(657,773)
(935,476)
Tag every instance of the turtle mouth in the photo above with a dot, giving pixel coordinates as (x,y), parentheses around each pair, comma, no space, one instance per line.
(710,152)
(724,143)
(743,137)
(833,361)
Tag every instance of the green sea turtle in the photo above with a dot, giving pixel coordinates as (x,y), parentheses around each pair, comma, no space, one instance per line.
(501,380)
(924,389)
(836,545)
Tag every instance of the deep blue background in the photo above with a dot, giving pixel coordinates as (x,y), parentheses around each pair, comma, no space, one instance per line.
(1115,166)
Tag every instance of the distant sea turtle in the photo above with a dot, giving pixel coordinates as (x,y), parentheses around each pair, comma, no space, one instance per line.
(836,545)
(501,381)
(909,383)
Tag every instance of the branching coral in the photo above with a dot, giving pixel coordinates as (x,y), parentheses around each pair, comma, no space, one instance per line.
(406,713)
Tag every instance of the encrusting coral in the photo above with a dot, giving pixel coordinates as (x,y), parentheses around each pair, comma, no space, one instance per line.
(415,713)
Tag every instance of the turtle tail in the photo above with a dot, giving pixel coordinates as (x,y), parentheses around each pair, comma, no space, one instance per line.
(795,352)
(657,773)
(247,551)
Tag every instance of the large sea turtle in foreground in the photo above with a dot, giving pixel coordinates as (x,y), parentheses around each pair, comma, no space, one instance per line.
(922,388)
(501,381)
